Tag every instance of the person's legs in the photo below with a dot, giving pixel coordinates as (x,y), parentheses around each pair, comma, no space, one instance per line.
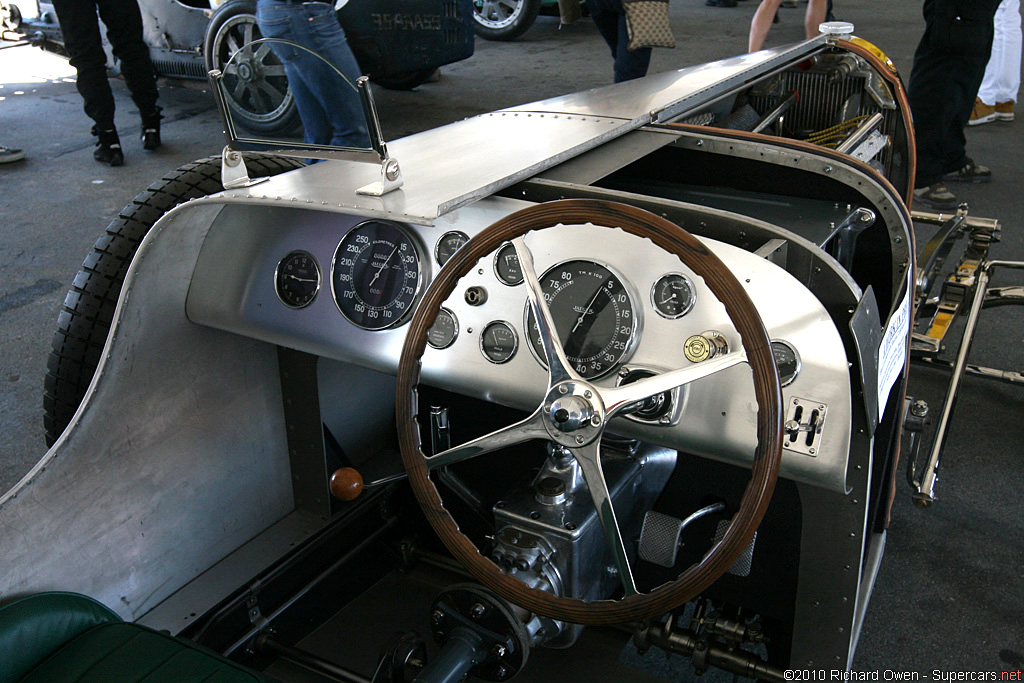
(762,23)
(816,11)
(124,30)
(629,64)
(335,94)
(80,29)
(279,20)
(606,19)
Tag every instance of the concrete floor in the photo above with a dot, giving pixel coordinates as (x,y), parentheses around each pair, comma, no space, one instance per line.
(951,589)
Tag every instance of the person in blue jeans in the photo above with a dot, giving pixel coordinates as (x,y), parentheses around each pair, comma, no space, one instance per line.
(610,18)
(329,108)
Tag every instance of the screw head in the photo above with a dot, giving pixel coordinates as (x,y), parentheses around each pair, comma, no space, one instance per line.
(477,610)
(437,617)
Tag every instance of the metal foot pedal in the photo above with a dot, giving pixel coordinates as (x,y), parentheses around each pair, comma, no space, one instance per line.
(659,537)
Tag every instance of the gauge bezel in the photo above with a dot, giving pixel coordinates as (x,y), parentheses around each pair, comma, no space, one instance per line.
(319,278)
(455,320)
(437,245)
(497,273)
(515,341)
(796,354)
(692,301)
(416,250)
(634,335)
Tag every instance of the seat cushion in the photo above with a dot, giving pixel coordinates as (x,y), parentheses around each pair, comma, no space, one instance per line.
(128,653)
(58,637)
(33,628)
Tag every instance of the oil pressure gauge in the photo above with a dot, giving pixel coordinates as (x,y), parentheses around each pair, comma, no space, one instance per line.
(673,295)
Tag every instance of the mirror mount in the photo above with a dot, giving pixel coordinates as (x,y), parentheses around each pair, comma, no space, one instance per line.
(233,171)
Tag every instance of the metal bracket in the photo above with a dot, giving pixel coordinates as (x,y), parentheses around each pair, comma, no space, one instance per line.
(390,179)
(233,173)
(804,422)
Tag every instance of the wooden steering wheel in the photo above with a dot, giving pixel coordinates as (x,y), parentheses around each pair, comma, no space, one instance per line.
(568,394)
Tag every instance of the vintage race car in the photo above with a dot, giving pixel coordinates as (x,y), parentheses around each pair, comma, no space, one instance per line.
(452,405)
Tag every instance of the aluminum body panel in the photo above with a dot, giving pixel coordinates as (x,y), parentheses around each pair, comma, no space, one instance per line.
(146,488)
(237,294)
(450,166)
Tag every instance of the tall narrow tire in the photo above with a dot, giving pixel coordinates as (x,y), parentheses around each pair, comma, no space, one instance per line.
(88,310)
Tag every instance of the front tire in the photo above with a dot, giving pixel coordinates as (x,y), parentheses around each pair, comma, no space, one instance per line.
(256,86)
(504,19)
(88,310)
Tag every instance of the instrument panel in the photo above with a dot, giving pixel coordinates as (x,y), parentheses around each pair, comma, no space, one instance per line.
(622,309)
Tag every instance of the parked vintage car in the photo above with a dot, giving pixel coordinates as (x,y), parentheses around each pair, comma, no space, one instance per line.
(398,43)
(452,405)
(509,19)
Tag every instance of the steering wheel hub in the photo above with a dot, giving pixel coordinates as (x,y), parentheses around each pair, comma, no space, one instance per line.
(574,414)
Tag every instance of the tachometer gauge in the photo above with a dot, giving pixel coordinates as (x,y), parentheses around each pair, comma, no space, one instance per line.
(297,279)
(376,275)
(673,295)
(593,315)
(449,243)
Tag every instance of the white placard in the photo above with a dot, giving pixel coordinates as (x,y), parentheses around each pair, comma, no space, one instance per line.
(892,352)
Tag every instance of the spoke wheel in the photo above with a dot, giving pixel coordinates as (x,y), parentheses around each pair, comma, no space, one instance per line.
(504,19)
(256,85)
(598,405)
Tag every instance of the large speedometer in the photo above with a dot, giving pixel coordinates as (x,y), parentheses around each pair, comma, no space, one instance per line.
(593,314)
(376,275)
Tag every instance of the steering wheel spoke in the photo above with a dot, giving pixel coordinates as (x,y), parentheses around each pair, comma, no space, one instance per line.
(524,430)
(559,369)
(589,459)
(617,399)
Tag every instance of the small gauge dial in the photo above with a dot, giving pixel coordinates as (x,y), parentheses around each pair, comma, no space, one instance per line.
(449,243)
(506,266)
(297,279)
(787,360)
(593,315)
(673,295)
(445,329)
(499,342)
(376,275)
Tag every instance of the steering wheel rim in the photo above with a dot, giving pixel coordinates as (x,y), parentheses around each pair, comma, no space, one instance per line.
(755,342)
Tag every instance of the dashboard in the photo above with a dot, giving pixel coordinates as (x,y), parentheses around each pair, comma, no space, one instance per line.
(344,287)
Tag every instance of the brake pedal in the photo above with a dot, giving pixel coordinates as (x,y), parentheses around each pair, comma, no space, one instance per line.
(659,537)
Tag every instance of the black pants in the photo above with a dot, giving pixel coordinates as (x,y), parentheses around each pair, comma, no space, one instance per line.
(83,42)
(948,67)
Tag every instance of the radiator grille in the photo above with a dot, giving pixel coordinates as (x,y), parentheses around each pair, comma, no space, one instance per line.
(823,104)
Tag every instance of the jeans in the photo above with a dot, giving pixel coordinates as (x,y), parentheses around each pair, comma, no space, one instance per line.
(82,39)
(610,19)
(329,107)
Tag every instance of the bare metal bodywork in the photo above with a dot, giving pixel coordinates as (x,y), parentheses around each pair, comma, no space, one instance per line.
(187,470)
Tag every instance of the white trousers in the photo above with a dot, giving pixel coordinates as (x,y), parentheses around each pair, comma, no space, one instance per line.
(1002,75)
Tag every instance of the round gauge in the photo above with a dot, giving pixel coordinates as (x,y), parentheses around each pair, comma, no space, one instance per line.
(445,329)
(448,245)
(376,275)
(297,279)
(506,265)
(787,360)
(673,295)
(499,343)
(593,316)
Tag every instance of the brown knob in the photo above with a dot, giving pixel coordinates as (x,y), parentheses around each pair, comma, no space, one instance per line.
(346,484)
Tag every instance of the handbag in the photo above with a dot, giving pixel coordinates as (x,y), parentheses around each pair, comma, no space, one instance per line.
(648,25)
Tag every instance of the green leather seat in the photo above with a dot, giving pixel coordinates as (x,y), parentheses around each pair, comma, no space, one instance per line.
(58,637)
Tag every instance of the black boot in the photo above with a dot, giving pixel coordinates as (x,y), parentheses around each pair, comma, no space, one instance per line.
(151,130)
(108,147)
